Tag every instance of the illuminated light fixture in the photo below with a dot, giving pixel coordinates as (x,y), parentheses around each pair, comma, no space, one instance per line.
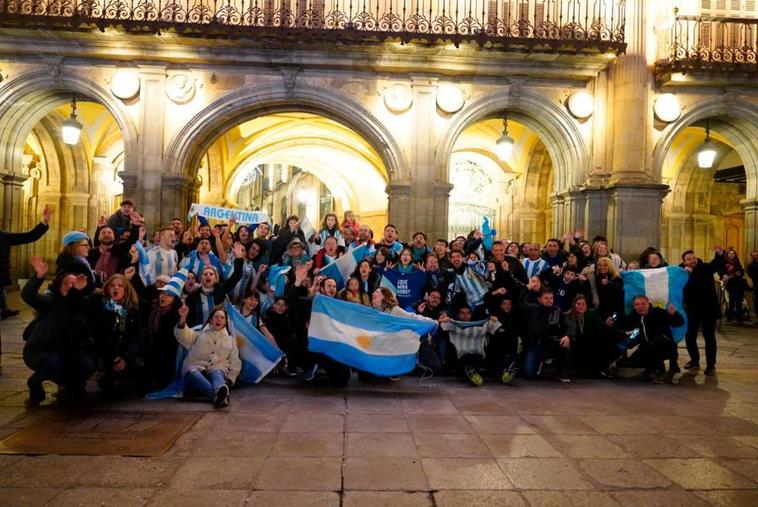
(125,84)
(71,128)
(398,98)
(667,107)
(707,154)
(450,98)
(504,145)
(305,197)
(581,104)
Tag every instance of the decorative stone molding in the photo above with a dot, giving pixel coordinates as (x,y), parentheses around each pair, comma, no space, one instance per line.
(180,88)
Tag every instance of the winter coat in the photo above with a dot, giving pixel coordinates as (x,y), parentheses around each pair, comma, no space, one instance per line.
(114,335)
(700,297)
(209,350)
(60,325)
(544,324)
(9,239)
(656,323)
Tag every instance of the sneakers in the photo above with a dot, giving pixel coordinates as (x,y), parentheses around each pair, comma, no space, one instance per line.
(508,374)
(692,366)
(287,372)
(36,391)
(710,370)
(222,397)
(563,378)
(474,376)
(310,374)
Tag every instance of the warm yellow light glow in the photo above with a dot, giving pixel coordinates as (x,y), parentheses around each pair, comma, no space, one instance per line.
(125,84)
(667,107)
(581,104)
(398,98)
(450,98)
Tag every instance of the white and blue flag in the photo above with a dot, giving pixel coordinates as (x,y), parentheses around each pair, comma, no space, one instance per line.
(365,338)
(277,278)
(341,269)
(258,355)
(662,286)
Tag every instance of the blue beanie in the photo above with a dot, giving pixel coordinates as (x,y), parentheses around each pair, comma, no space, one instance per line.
(74,236)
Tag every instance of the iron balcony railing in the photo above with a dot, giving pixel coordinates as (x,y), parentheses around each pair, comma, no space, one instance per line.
(585,25)
(706,43)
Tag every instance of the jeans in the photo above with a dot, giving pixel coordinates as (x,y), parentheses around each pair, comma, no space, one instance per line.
(69,370)
(207,382)
(708,324)
(537,353)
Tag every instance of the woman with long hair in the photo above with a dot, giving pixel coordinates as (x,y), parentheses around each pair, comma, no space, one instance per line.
(114,318)
(608,289)
(212,358)
(368,279)
(593,341)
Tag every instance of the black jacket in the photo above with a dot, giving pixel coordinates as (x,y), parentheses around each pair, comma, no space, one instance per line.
(544,324)
(60,325)
(9,239)
(658,322)
(700,297)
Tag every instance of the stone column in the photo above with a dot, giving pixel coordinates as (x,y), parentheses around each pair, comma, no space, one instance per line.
(428,207)
(751,225)
(634,215)
(399,208)
(440,211)
(11,186)
(152,100)
(177,190)
(632,155)
(595,211)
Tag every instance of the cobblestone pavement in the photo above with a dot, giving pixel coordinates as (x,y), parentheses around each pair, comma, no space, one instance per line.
(691,442)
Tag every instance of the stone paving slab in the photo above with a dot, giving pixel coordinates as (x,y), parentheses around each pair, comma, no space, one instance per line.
(693,441)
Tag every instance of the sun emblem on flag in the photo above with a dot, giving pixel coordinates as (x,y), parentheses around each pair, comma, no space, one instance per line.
(364,341)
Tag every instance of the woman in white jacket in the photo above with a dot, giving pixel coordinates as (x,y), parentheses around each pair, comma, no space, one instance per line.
(213,357)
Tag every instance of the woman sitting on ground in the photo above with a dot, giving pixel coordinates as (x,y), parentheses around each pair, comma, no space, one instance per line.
(213,357)
(593,341)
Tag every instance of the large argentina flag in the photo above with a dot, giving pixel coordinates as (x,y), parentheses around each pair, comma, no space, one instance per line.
(662,286)
(343,267)
(258,355)
(365,338)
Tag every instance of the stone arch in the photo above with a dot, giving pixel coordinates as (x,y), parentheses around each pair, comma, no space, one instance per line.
(555,127)
(25,100)
(189,144)
(736,120)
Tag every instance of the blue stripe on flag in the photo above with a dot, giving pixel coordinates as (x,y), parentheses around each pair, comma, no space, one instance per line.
(258,355)
(386,366)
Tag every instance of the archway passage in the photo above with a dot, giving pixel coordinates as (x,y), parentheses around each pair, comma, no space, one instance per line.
(704,207)
(296,163)
(79,182)
(513,192)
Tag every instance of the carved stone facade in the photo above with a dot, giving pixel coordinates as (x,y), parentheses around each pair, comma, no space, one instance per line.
(616,173)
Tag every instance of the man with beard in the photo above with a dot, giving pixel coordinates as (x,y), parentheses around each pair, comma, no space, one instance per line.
(111,256)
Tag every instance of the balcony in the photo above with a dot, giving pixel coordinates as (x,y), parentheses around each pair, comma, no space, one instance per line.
(708,50)
(552,26)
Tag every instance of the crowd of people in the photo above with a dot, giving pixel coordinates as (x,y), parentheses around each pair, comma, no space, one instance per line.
(123,301)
